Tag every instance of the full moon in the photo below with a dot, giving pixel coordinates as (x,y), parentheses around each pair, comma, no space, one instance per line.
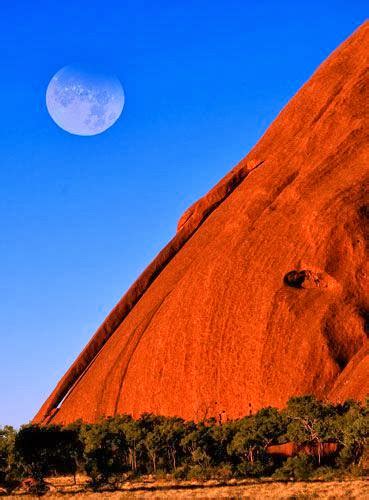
(83,101)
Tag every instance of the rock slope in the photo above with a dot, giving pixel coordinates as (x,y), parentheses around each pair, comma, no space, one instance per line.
(263,293)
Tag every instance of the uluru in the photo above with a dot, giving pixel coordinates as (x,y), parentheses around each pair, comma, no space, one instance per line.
(263,293)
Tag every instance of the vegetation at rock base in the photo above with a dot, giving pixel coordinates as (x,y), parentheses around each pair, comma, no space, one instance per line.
(254,446)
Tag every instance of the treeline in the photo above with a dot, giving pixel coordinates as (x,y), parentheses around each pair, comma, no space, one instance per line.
(121,447)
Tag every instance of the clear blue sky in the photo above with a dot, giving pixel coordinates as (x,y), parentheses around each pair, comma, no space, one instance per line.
(81,217)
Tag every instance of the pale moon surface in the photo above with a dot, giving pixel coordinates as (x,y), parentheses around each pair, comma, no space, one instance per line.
(84,102)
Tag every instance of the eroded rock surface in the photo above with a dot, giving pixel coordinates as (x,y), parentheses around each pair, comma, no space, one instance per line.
(305,278)
(213,325)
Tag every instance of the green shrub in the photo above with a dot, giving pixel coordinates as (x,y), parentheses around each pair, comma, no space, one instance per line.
(325,473)
(223,472)
(199,473)
(181,473)
(258,468)
(297,468)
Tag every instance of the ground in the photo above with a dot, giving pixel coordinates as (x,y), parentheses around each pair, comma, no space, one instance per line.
(63,488)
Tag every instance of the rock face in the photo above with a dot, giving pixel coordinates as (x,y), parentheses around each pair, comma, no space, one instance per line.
(264,291)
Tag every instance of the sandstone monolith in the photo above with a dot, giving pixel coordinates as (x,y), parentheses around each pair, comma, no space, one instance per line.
(263,293)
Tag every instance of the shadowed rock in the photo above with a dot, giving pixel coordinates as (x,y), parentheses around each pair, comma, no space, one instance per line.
(305,279)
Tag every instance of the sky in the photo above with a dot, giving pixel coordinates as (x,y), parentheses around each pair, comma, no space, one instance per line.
(81,217)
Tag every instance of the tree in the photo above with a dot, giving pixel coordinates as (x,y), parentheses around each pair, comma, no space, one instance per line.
(76,447)
(222,436)
(173,431)
(8,465)
(311,422)
(270,426)
(245,442)
(351,431)
(134,436)
(104,449)
(198,444)
(45,450)
(152,437)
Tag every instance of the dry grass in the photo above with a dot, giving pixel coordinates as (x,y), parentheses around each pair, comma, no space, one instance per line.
(64,488)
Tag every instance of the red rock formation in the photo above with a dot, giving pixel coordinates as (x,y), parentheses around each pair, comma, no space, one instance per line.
(217,322)
(292,449)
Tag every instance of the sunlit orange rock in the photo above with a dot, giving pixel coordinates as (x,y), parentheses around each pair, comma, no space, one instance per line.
(264,291)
